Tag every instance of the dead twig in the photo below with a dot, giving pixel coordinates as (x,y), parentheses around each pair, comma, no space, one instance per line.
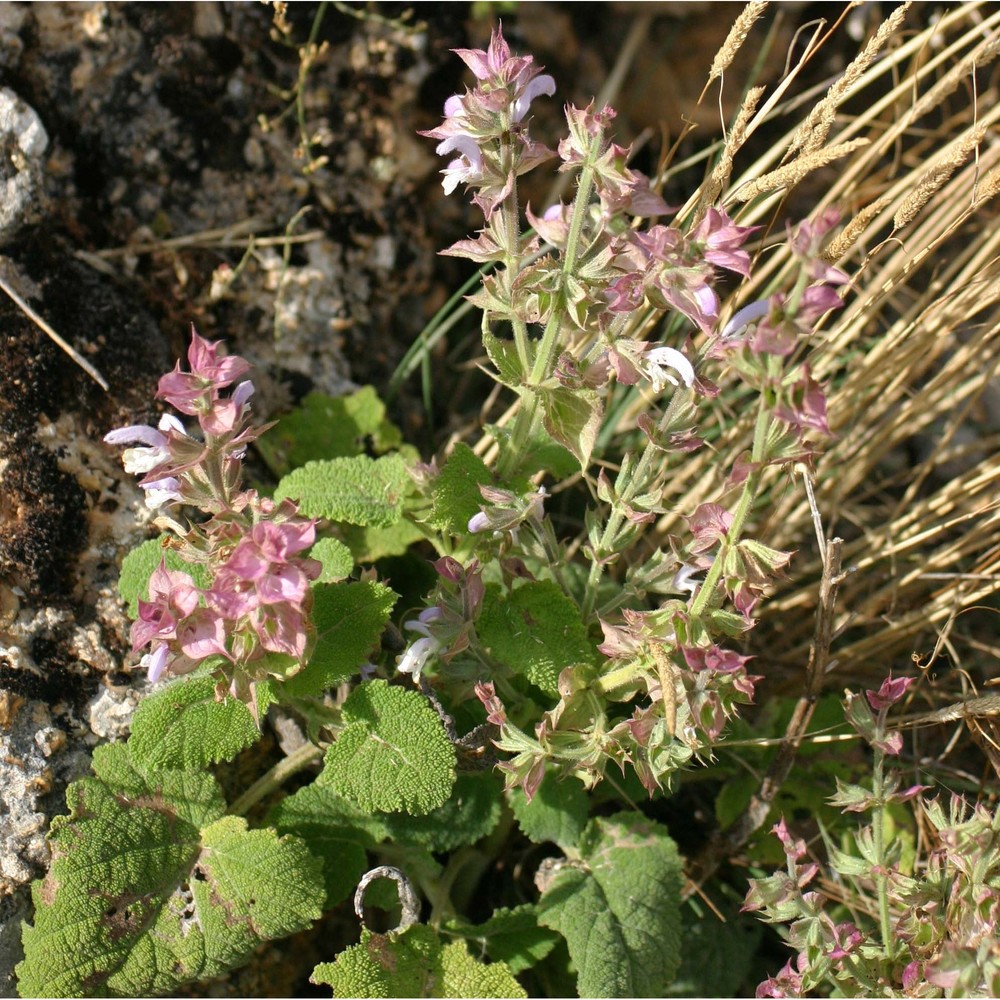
(48,331)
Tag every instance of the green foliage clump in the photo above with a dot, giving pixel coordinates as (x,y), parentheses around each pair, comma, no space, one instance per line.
(152,886)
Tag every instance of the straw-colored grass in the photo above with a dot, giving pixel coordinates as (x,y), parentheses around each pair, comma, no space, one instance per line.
(908,362)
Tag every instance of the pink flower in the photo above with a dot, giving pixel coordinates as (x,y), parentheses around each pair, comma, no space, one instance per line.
(202,635)
(806,406)
(174,597)
(891,691)
(281,628)
(786,983)
(487,116)
(495,711)
(194,392)
(709,523)
(846,938)
(721,240)
(516,74)
(260,569)
(714,658)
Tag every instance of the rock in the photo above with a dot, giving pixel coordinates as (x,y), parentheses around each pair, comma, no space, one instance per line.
(23,141)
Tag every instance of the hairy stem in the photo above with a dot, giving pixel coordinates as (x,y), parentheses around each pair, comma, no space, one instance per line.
(878,834)
(527,415)
(306,754)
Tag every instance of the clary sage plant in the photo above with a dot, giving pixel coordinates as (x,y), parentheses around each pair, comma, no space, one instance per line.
(548,683)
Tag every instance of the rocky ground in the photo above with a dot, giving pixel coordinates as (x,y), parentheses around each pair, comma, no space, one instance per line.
(159,169)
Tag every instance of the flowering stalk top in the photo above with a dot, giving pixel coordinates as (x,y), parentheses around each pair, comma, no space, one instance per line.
(252,620)
(480,124)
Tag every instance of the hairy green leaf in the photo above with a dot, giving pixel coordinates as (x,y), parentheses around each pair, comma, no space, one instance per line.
(456,490)
(324,426)
(393,754)
(358,490)
(718,954)
(510,936)
(183,726)
(536,631)
(619,907)
(152,886)
(339,832)
(370,544)
(349,619)
(556,813)
(413,964)
(138,566)
(503,354)
(335,830)
(471,812)
(336,559)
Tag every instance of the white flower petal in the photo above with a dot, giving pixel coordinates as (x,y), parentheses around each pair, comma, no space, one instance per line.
(415,658)
(658,359)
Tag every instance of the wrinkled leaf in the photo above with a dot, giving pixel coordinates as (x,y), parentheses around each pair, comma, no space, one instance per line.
(619,907)
(510,936)
(183,726)
(536,631)
(393,754)
(349,619)
(573,418)
(456,490)
(415,963)
(358,490)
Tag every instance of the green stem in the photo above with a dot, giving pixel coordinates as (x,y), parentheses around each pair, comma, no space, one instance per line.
(527,415)
(637,481)
(512,227)
(306,754)
(706,592)
(878,833)
(581,204)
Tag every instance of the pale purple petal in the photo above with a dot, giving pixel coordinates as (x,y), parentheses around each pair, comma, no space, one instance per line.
(162,491)
(136,434)
(416,656)
(657,360)
(540,85)
(156,662)
(747,315)
(463,144)
(243,392)
(478,522)
(168,422)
